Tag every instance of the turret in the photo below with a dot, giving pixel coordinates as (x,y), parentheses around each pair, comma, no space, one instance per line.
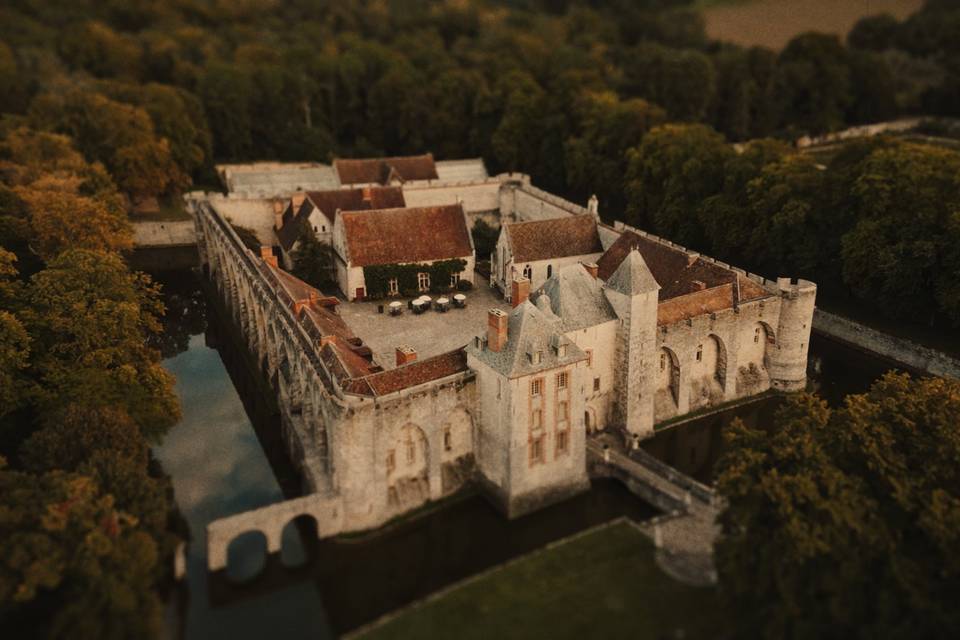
(787,362)
(633,293)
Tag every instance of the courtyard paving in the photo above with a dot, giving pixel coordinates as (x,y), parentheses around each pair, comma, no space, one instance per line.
(430,333)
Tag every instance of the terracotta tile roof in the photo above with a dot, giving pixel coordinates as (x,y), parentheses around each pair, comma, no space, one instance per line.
(347,361)
(419,234)
(328,202)
(411,375)
(383,170)
(664,262)
(554,238)
(695,304)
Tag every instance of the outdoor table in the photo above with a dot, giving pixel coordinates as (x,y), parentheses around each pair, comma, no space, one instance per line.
(442,304)
(417,306)
(426,300)
(396,308)
(460,300)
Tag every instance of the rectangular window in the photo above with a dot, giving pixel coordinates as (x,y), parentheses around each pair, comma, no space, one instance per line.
(663,361)
(699,352)
(411,452)
(563,438)
(536,450)
(562,411)
(447,439)
(454,279)
(562,379)
(596,384)
(393,287)
(423,281)
(536,419)
(756,335)
(391,461)
(536,387)
(589,358)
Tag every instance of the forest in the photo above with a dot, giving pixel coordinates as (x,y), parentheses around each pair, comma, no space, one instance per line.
(108,104)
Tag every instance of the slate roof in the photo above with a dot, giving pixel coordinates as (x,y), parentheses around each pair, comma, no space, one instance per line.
(383,170)
(530,329)
(677,272)
(554,238)
(416,234)
(633,276)
(576,298)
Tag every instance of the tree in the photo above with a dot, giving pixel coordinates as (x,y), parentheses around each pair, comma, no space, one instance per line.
(14,341)
(313,262)
(89,318)
(811,85)
(71,564)
(875,33)
(681,81)
(903,202)
(669,176)
(845,523)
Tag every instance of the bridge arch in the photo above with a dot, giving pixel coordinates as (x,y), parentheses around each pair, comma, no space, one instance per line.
(247,554)
(298,540)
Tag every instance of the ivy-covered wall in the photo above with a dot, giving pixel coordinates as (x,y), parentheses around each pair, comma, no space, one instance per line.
(376,277)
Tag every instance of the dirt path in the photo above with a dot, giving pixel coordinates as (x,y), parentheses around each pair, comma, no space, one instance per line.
(772,23)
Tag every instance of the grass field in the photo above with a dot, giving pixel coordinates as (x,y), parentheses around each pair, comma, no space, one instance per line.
(772,23)
(604,584)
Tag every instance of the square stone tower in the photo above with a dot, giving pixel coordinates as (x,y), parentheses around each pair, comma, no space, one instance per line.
(634,295)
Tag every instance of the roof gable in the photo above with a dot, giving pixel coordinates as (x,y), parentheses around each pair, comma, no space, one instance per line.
(553,238)
(382,170)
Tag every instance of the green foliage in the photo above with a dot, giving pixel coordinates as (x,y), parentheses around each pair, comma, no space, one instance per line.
(845,523)
(485,238)
(248,237)
(377,277)
(313,262)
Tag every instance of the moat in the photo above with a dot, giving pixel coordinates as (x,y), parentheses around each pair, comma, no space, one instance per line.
(224,459)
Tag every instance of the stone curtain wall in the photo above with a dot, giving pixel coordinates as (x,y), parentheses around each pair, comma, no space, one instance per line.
(907,353)
(175,233)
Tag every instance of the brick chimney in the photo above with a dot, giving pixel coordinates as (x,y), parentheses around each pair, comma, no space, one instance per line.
(405,355)
(592,269)
(698,285)
(277,214)
(520,291)
(368,197)
(496,329)
(267,254)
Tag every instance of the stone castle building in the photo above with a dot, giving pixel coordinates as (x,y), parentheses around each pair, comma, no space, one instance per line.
(589,327)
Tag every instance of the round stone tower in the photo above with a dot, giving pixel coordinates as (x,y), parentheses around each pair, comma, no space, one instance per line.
(787,362)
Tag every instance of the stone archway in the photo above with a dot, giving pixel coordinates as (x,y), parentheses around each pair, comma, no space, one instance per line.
(246,556)
(756,341)
(408,468)
(667,397)
(298,540)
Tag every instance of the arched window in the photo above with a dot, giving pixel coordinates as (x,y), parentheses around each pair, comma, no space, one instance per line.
(549,271)
(528,272)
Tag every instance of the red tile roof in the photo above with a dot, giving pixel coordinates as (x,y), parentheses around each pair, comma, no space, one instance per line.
(383,170)
(554,238)
(411,375)
(695,304)
(393,236)
(328,202)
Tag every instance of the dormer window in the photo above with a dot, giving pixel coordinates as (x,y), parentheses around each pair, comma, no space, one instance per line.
(536,357)
(562,350)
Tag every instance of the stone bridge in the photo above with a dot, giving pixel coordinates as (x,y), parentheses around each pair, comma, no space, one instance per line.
(286,349)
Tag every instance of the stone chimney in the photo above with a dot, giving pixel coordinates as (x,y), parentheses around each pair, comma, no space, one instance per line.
(592,269)
(593,206)
(405,355)
(277,214)
(267,254)
(698,285)
(496,329)
(520,291)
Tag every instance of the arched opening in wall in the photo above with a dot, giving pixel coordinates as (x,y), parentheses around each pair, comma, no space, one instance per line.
(246,556)
(756,341)
(298,541)
(407,465)
(706,373)
(590,420)
(667,397)
(720,369)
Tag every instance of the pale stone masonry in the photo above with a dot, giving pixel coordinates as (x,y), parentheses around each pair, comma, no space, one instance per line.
(623,331)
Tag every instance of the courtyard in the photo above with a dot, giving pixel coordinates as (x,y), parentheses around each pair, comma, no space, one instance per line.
(429,333)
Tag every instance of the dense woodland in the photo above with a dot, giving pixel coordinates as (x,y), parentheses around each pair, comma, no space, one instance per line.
(105,104)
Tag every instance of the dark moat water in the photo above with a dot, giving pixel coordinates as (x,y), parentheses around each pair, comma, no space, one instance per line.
(224,458)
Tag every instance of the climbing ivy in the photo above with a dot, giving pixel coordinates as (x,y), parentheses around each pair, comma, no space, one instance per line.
(378,276)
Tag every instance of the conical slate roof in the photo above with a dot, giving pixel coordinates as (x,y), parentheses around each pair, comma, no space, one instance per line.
(576,298)
(632,277)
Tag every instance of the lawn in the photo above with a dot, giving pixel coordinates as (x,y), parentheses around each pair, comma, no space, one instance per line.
(772,23)
(603,584)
